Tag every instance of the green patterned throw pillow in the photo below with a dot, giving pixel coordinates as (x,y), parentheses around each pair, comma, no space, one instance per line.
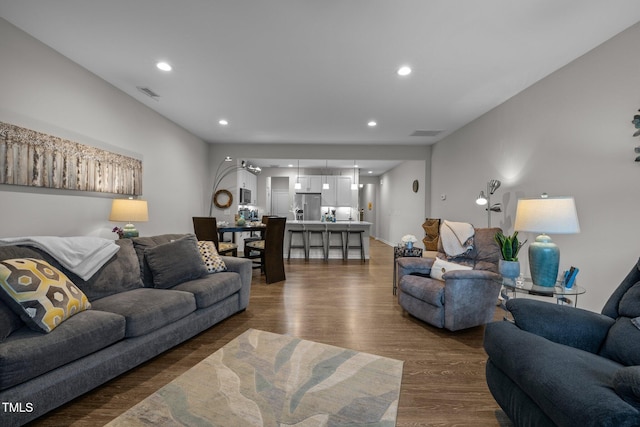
(39,293)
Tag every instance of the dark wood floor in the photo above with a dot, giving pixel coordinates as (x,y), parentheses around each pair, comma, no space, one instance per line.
(348,304)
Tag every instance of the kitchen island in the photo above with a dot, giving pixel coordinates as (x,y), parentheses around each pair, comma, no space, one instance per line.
(315,231)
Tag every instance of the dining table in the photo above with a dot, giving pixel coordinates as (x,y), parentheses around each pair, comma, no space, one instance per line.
(252,227)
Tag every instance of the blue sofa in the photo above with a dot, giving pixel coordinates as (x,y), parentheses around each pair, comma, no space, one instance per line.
(563,366)
(150,296)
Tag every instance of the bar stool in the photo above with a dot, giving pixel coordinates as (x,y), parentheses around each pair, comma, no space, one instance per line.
(361,246)
(339,232)
(310,245)
(303,245)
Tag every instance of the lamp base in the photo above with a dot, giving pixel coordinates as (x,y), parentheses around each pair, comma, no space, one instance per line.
(544,260)
(129,231)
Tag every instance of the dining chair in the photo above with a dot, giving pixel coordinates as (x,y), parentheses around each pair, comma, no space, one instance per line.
(206,228)
(271,249)
(251,244)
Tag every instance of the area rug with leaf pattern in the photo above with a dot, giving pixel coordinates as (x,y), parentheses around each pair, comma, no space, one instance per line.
(266,379)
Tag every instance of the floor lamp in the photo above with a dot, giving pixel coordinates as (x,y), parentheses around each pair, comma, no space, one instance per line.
(553,215)
(483,199)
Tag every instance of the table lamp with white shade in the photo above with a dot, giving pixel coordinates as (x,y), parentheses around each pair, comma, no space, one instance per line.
(552,215)
(129,211)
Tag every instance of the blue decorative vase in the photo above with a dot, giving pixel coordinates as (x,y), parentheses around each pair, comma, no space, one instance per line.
(544,260)
(409,245)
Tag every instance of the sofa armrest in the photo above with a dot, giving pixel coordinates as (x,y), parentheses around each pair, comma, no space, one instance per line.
(244,267)
(470,298)
(414,265)
(471,274)
(563,324)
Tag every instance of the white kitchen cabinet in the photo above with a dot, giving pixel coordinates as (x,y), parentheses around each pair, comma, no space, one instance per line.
(310,184)
(339,192)
(343,191)
(329,195)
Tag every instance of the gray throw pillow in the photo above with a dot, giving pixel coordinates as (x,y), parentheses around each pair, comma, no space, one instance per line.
(175,262)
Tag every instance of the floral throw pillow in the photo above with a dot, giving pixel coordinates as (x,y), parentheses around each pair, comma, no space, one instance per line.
(212,260)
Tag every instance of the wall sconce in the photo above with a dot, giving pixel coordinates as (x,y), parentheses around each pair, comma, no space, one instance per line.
(129,211)
(485,200)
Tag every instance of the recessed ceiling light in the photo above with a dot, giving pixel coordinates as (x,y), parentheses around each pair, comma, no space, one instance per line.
(290,165)
(164,66)
(370,172)
(405,70)
(223,122)
(372,123)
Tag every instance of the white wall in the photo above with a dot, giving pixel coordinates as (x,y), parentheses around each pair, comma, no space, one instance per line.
(398,209)
(44,91)
(569,134)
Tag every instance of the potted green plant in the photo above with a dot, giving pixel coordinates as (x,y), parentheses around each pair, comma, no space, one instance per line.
(509,247)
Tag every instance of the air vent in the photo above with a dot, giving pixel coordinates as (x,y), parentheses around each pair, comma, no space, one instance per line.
(151,94)
(426,133)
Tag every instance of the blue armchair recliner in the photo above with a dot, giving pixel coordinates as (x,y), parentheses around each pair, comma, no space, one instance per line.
(564,366)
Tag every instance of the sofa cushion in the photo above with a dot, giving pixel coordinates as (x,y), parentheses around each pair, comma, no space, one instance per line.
(212,288)
(27,354)
(175,262)
(39,293)
(148,309)
(212,260)
(423,288)
(622,343)
(633,277)
(121,273)
(9,321)
(626,382)
(630,303)
(441,266)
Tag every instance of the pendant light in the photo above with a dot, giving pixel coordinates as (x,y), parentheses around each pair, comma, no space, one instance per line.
(354,184)
(297,185)
(325,184)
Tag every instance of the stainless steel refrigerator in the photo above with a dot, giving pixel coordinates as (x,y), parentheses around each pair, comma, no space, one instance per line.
(310,205)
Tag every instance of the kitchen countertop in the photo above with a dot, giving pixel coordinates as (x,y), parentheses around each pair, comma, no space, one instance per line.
(337,223)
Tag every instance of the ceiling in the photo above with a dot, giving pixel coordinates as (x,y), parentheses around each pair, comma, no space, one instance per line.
(317,71)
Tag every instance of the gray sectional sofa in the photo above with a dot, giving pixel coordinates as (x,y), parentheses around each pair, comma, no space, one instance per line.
(149,297)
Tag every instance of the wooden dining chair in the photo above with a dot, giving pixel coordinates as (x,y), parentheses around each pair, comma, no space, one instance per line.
(252,246)
(206,228)
(271,249)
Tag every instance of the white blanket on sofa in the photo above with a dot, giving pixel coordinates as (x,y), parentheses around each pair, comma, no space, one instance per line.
(83,255)
(457,237)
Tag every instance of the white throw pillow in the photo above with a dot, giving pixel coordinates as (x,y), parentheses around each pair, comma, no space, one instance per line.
(441,266)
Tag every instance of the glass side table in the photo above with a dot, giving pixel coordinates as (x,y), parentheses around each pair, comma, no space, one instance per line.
(400,252)
(560,293)
(511,288)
